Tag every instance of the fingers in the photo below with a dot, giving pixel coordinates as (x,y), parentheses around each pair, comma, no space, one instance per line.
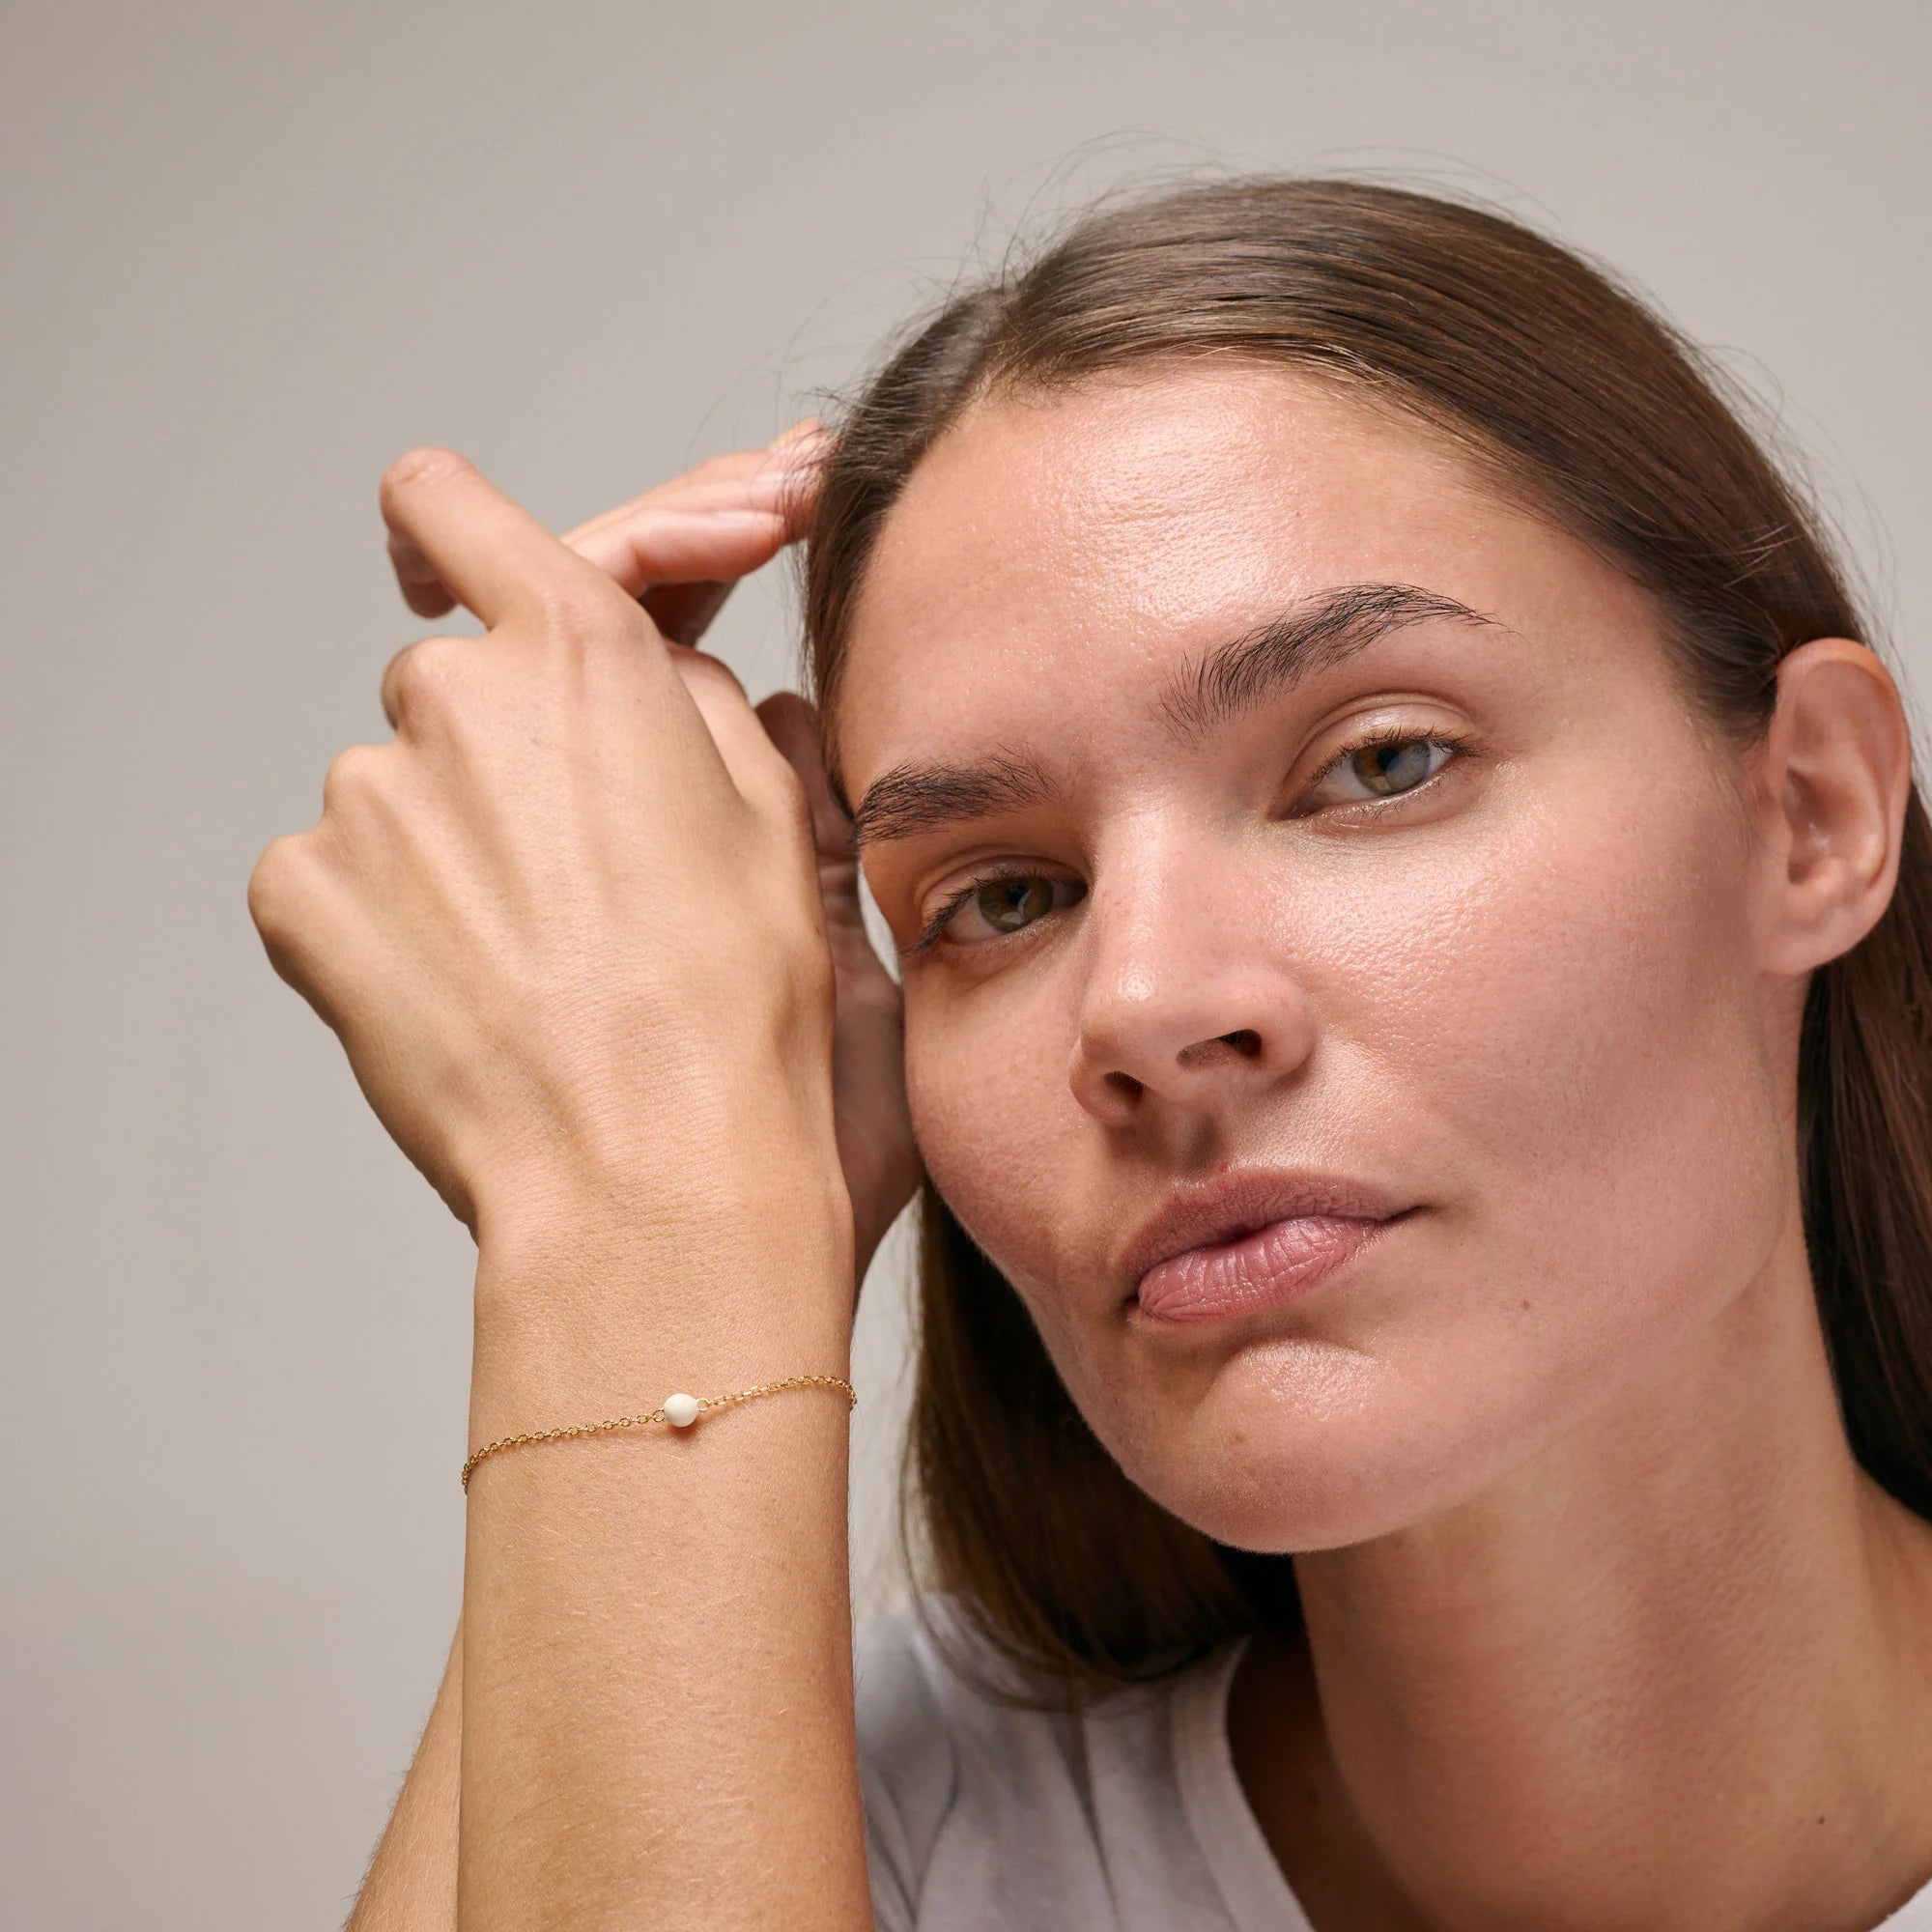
(708,527)
(683,611)
(656,548)
(676,546)
(717,531)
(748,751)
(423,591)
(450,526)
(429,678)
(791,724)
(704,530)
(711,484)
(681,549)
(733,466)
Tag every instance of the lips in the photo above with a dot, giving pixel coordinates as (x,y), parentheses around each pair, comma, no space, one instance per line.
(1268,1268)
(1250,1240)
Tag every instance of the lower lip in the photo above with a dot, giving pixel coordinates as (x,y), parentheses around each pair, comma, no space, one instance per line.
(1272,1267)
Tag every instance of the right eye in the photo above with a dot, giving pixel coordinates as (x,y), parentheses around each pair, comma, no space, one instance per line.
(996,906)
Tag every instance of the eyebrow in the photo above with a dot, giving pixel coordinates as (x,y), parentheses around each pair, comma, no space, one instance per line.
(912,799)
(1264,662)
(1272,657)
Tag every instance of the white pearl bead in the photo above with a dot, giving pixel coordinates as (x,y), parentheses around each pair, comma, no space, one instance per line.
(680,1409)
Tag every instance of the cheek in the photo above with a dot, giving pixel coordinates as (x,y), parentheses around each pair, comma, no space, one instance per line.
(1581,1016)
(995,1120)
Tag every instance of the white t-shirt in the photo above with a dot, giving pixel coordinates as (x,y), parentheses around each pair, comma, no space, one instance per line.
(1127,1817)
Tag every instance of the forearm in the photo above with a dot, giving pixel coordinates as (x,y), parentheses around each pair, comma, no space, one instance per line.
(579,915)
(411,1882)
(657,1699)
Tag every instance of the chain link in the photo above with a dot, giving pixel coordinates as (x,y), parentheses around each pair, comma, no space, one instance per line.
(658,1415)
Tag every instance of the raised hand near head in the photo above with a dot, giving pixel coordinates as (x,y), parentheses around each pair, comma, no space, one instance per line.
(569,922)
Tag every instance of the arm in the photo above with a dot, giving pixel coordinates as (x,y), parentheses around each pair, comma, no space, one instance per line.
(411,1886)
(569,928)
(658,1718)
(685,1581)
(411,1882)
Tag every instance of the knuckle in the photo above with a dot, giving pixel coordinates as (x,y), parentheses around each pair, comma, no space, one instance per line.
(273,884)
(580,612)
(422,676)
(352,774)
(787,791)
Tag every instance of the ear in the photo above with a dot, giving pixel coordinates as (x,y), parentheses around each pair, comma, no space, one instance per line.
(1834,779)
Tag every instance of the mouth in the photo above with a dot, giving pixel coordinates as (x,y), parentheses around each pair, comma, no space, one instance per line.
(1250,1241)
(1272,1268)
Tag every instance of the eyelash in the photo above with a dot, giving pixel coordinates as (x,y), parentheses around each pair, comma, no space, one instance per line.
(934,928)
(1393,734)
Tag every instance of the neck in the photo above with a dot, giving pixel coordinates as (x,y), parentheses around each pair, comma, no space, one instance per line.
(1676,1672)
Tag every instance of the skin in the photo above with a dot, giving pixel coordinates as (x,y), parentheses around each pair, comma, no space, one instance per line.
(1588,1567)
(1605,1627)
(626,1085)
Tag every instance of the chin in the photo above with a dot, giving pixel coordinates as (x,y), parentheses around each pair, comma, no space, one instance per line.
(1300,1445)
(1283,1491)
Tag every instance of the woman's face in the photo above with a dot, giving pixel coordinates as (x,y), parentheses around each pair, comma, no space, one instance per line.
(1494,974)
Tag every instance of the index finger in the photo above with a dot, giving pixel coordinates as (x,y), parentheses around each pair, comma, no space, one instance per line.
(492,556)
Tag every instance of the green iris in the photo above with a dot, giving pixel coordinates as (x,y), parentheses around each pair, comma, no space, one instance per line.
(1391,768)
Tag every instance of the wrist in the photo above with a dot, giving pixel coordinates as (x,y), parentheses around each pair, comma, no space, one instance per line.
(566,1236)
(579,1315)
(725,1162)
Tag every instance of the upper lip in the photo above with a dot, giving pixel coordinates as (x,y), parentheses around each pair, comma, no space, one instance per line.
(1197,1213)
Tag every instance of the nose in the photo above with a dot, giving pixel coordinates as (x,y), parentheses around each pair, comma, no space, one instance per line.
(1192,999)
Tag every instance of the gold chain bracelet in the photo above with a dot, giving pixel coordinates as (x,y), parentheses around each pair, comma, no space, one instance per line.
(680,1410)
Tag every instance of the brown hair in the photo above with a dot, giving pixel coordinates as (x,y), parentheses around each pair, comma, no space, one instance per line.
(1575,393)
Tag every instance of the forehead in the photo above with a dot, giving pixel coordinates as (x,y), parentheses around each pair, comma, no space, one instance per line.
(1052,554)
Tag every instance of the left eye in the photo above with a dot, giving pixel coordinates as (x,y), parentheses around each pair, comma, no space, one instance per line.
(1384,768)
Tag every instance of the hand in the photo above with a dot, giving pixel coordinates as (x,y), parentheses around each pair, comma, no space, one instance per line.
(567,924)
(680,548)
(876,1150)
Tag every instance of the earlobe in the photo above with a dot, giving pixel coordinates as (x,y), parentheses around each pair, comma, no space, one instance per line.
(1836,775)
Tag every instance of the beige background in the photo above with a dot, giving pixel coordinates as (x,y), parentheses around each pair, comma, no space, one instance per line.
(255,251)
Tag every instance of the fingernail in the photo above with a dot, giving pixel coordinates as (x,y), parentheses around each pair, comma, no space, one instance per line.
(808,444)
(797,455)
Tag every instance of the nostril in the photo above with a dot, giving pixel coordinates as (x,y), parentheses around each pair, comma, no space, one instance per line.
(1246,1043)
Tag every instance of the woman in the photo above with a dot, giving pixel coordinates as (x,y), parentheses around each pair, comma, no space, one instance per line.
(1414,921)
